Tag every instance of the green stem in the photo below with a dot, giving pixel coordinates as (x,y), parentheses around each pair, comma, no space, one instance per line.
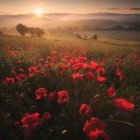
(121,122)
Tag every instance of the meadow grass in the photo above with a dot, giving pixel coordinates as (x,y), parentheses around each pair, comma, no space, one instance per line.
(24,52)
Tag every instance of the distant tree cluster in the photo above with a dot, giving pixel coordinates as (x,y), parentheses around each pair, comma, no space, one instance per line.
(94,37)
(35,32)
(135,26)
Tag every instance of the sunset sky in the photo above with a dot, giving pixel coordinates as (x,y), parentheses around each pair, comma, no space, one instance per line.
(69,6)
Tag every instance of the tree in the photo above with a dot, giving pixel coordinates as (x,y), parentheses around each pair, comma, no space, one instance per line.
(31,31)
(36,32)
(39,32)
(22,29)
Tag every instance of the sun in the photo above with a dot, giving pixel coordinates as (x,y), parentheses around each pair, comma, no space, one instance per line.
(39,12)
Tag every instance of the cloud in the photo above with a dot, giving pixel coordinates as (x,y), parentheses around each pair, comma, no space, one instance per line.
(2,12)
(137,9)
(112,8)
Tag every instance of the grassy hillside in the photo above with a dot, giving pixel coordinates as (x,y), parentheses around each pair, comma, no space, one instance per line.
(75,77)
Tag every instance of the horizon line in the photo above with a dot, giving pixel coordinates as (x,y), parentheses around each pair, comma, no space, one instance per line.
(115,13)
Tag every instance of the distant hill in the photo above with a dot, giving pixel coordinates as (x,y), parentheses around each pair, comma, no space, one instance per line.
(72,22)
(31,19)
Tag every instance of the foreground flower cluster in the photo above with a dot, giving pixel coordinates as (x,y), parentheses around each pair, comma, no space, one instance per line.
(64,90)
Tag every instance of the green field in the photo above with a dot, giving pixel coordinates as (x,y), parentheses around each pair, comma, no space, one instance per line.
(51,63)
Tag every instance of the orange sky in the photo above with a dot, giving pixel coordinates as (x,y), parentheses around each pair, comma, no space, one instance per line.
(69,6)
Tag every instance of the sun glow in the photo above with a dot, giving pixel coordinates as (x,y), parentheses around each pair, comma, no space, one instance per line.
(39,12)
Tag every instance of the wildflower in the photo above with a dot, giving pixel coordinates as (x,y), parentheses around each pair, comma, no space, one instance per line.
(33,69)
(121,77)
(30,122)
(101,79)
(41,60)
(85,110)
(54,52)
(90,75)
(54,59)
(9,81)
(21,77)
(95,128)
(98,135)
(46,116)
(83,59)
(63,97)
(118,62)
(77,77)
(92,124)
(40,92)
(48,65)
(60,69)
(51,96)
(93,65)
(111,91)
(119,72)
(123,104)
(101,71)
(79,66)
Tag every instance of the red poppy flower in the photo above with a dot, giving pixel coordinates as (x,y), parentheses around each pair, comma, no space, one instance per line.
(48,65)
(119,72)
(111,91)
(63,97)
(85,110)
(90,75)
(101,71)
(33,69)
(93,65)
(92,124)
(29,123)
(9,81)
(121,77)
(79,66)
(41,60)
(73,61)
(123,104)
(31,120)
(46,116)
(98,135)
(51,96)
(54,59)
(21,77)
(102,63)
(118,62)
(54,52)
(49,58)
(83,59)
(40,92)
(101,79)
(77,77)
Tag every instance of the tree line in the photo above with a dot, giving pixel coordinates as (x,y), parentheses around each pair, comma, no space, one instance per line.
(35,32)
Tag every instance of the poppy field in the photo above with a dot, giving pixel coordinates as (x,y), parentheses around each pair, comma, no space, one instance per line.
(58,90)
